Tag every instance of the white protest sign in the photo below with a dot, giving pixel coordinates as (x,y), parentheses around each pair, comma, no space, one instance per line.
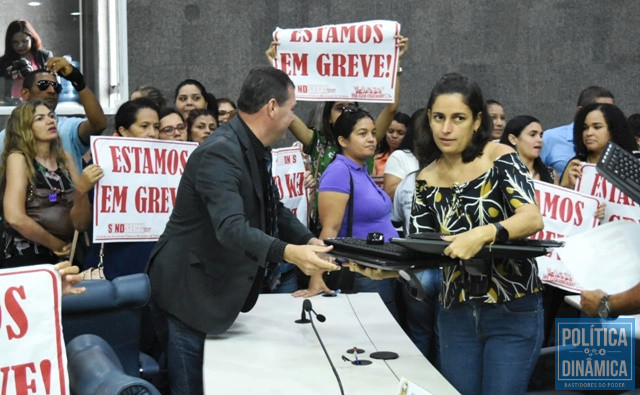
(606,257)
(288,175)
(564,213)
(33,359)
(352,61)
(619,206)
(134,199)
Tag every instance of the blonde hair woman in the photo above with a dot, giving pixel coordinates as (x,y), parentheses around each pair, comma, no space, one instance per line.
(44,200)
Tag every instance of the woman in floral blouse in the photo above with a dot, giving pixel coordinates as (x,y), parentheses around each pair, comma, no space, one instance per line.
(478,192)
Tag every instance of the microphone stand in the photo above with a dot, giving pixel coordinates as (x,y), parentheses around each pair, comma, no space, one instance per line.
(335,372)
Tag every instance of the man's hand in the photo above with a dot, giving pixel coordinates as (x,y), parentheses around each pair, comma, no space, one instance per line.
(589,301)
(59,65)
(307,259)
(70,277)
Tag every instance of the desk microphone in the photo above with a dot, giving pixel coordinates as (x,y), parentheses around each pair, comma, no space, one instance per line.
(306,306)
(303,316)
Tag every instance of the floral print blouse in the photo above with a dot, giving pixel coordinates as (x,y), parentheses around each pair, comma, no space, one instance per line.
(492,197)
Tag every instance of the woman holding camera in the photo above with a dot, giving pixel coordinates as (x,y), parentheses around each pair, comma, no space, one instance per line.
(23,52)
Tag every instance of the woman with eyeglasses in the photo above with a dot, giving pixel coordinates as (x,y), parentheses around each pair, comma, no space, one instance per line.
(192,95)
(200,124)
(23,52)
(134,118)
(172,126)
(43,198)
(349,201)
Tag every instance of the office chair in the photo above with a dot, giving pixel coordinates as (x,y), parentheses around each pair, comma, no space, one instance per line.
(94,368)
(112,311)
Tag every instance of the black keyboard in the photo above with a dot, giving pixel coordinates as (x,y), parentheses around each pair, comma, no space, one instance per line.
(386,250)
(622,169)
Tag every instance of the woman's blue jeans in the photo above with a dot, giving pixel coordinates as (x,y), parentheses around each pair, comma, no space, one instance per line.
(491,348)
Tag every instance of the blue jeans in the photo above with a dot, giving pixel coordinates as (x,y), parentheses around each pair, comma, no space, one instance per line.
(491,348)
(283,280)
(185,352)
(420,316)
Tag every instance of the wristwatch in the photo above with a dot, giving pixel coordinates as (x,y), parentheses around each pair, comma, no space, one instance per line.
(502,234)
(603,307)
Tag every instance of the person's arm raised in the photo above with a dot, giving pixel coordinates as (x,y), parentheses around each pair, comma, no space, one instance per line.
(385,117)
(96,121)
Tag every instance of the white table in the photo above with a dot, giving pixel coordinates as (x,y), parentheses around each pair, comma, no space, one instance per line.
(266,352)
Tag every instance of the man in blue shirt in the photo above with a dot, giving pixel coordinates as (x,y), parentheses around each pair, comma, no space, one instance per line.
(74,132)
(557,143)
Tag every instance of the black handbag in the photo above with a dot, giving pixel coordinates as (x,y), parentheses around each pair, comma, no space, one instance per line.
(344,278)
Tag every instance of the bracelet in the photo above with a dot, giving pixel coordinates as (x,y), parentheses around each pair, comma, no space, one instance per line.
(77,79)
(399,72)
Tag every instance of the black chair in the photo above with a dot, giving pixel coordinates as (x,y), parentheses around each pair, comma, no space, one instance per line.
(94,369)
(112,310)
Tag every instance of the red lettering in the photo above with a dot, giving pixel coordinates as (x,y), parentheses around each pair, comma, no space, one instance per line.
(295,183)
(364,33)
(566,210)
(348,33)
(20,377)
(332,35)
(155,199)
(114,198)
(579,218)
(184,155)
(115,158)
(16,312)
(278,182)
(301,36)
(377,29)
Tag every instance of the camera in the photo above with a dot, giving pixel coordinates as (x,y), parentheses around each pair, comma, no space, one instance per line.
(21,66)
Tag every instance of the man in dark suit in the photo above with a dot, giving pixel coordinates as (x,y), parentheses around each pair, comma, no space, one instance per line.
(227,228)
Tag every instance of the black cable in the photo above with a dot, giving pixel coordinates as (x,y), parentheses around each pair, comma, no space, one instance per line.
(335,372)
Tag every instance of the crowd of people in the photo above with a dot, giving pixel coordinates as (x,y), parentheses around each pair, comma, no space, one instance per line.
(459,167)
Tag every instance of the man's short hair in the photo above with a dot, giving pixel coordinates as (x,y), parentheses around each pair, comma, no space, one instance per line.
(591,94)
(261,85)
(31,78)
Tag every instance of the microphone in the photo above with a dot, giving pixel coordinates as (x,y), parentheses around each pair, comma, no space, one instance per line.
(303,316)
(306,306)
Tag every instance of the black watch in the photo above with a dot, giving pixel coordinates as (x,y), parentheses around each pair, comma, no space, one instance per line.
(603,307)
(502,234)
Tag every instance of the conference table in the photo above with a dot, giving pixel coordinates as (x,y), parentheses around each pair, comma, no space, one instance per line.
(266,352)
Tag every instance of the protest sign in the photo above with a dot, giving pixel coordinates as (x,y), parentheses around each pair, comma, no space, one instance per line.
(32,353)
(619,206)
(134,199)
(288,175)
(352,61)
(564,213)
(606,257)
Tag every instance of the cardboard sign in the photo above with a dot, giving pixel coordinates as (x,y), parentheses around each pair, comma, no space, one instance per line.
(350,62)
(134,199)
(288,175)
(564,213)
(33,359)
(619,206)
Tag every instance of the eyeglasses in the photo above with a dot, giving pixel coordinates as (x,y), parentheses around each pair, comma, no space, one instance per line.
(43,85)
(181,127)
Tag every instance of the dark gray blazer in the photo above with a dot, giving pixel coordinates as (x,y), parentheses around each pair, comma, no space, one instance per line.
(205,263)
